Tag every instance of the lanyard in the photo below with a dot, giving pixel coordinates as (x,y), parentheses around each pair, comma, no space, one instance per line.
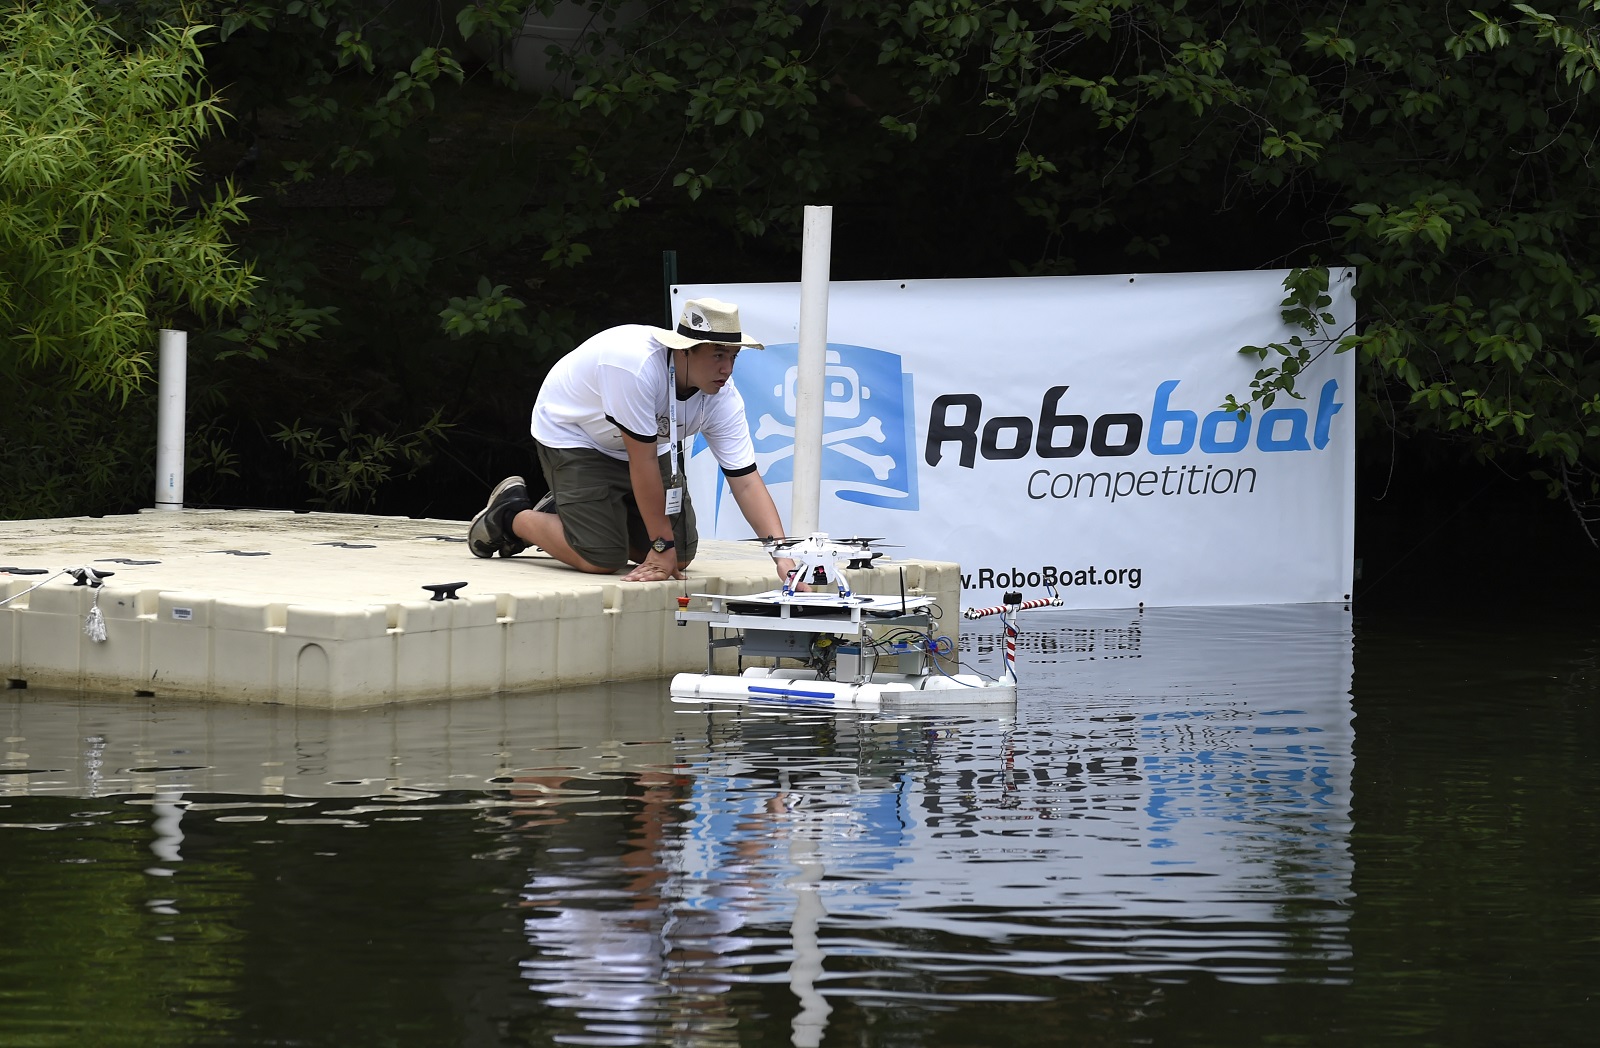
(672,412)
(674,492)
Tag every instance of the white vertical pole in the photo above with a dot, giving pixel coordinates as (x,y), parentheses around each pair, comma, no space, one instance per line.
(813,362)
(171,394)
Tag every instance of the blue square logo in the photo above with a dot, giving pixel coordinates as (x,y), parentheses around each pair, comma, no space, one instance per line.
(868,422)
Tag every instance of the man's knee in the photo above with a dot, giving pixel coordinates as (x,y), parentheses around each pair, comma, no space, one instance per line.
(549,532)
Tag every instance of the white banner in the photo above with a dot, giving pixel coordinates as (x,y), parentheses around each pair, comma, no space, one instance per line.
(1062,431)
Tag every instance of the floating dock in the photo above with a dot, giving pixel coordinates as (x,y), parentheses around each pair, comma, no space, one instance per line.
(332,611)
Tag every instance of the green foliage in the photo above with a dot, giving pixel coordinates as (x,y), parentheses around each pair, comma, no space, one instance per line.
(365,130)
(1465,199)
(346,471)
(1445,152)
(1305,307)
(423,235)
(107,231)
(105,228)
(727,103)
(490,310)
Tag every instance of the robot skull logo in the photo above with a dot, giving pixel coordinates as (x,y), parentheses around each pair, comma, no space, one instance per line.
(867,422)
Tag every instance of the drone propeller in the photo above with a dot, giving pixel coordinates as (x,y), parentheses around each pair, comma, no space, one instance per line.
(777,541)
(862,541)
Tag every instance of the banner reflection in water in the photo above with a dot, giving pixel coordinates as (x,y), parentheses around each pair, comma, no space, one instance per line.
(1171,795)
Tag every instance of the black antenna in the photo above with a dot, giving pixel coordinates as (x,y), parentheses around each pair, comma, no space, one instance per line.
(902,588)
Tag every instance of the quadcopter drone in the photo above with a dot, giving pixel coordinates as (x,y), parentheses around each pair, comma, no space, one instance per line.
(819,560)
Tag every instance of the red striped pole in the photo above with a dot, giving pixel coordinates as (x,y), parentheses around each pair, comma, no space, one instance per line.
(1014,603)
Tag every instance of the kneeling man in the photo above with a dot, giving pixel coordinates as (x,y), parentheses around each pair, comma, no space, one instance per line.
(610,424)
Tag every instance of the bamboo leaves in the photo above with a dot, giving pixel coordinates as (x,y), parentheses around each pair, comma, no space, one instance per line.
(105,229)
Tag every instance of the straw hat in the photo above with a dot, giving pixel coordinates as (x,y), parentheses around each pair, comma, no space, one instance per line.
(707,320)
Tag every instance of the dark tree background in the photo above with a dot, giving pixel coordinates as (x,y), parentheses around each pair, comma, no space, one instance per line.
(428,237)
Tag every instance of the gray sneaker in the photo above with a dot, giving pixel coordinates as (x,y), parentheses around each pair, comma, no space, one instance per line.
(485,536)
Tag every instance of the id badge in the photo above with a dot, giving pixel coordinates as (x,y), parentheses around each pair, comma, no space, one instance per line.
(674,501)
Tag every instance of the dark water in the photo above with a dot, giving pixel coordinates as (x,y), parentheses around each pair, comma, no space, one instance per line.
(1199,827)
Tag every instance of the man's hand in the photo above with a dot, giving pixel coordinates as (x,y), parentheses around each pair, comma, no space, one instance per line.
(785,569)
(649,494)
(657,567)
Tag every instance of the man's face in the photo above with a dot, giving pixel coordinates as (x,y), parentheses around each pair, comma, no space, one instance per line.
(709,365)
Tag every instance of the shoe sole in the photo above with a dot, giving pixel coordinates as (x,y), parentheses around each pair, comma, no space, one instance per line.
(479,541)
(481,538)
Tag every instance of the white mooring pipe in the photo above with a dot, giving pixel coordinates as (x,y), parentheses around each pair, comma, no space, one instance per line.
(171,394)
(806,494)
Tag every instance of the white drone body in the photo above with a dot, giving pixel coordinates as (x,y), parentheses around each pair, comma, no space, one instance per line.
(820,561)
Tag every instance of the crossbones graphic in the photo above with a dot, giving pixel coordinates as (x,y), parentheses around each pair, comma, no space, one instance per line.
(872,429)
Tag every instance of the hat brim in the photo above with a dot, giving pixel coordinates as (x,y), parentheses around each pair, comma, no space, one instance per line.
(674,340)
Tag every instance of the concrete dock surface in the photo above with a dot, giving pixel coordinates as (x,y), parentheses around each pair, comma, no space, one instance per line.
(332,610)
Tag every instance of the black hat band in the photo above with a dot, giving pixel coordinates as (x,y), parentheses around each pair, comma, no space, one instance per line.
(710,336)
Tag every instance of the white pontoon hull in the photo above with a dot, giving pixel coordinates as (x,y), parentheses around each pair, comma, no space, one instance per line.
(799,687)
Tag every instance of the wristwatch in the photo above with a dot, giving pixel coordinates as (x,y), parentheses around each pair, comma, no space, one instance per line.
(661,545)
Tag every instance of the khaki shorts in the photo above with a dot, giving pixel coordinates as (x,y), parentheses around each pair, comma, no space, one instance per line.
(594,499)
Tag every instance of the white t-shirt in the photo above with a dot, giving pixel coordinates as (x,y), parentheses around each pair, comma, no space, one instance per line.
(618,380)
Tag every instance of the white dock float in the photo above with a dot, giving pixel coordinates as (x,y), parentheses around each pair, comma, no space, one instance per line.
(329,610)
